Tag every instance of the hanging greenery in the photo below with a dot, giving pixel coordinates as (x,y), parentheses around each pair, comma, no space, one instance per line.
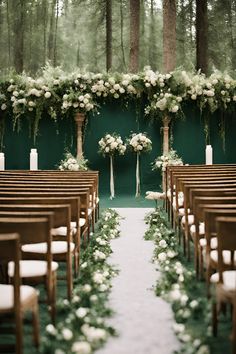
(59,94)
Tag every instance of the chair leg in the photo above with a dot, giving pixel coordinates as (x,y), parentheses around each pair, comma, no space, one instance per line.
(35,320)
(19,332)
(214,319)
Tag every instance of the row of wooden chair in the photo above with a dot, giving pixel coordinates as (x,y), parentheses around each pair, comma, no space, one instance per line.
(201,204)
(51,212)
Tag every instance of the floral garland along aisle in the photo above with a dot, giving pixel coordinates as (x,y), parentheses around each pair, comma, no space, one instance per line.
(177,285)
(83,328)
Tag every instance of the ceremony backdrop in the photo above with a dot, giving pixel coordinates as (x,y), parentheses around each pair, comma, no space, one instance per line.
(53,138)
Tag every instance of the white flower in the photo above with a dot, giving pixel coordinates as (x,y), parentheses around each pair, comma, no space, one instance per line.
(175,295)
(98,278)
(81,312)
(3,106)
(47,94)
(81,347)
(93,298)
(59,351)
(67,333)
(98,255)
(193,304)
(103,287)
(178,328)
(162,256)
(87,288)
(163,244)
(51,329)
(174,109)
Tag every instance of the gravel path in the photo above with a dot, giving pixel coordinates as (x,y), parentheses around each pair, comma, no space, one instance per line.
(142,320)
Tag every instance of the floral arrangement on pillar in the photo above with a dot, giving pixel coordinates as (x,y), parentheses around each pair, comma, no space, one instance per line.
(110,145)
(139,143)
(169,158)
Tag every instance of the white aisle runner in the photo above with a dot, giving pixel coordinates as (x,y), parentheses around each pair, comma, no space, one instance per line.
(143,321)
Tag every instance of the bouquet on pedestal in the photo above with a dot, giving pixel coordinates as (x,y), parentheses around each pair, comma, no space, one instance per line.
(139,143)
(110,145)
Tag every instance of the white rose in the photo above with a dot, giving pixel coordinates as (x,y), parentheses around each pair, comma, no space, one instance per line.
(3,106)
(81,347)
(51,329)
(67,333)
(162,256)
(47,94)
(174,109)
(81,312)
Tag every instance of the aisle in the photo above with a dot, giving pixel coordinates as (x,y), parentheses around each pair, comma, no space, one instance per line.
(142,320)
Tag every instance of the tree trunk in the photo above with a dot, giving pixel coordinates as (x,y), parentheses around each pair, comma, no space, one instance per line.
(45,20)
(134,35)
(169,35)
(108,34)
(122,33)
(55,35)
(51,32)
(152,52)
(19,35)
(8,34)
(201,35)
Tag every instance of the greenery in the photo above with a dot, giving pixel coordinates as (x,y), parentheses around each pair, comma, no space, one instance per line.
(60,94)
(72,163)
(83,328)
(177,285)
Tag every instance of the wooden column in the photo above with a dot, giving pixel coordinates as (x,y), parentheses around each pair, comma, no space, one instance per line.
(79,118)
(166,121)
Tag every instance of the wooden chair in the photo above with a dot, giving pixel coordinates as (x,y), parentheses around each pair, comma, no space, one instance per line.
(16,299)
(34,230)
(224,280)
(62,247)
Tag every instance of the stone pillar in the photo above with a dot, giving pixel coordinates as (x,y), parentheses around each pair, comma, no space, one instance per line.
(79,118)
(166,121)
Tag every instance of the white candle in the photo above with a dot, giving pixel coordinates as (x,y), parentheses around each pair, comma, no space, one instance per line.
(209,155)
(33,159)
(2,161)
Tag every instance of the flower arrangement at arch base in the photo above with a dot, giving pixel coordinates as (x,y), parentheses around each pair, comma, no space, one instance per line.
(71,163)
(111,144)
(82,328)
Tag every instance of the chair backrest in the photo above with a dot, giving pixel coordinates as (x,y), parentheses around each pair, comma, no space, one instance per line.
(226,237)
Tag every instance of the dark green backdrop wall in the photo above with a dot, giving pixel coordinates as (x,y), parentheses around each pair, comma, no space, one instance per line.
(53,138)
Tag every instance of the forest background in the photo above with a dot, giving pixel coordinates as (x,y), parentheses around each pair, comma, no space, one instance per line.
(95,34)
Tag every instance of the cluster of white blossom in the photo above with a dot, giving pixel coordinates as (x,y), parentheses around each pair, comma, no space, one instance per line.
(73,164)
(140,142)
(154,78)
(77,100)
(168,159)
(110,144)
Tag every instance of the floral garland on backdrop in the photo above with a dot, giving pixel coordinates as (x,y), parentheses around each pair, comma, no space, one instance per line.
(177,285)
(82,328)
(110,145)
(139,143)
(59,94)
(72,163)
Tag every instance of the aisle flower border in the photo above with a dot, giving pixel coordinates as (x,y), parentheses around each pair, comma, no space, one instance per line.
(177,285)
(60,94)
(83,328)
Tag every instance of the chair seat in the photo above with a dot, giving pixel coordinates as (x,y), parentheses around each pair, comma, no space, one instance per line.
(7,295)
(62,230)
(203,243)
(31,268)
(56,247)
(201,229)
(226,257)
(229,280)
(190,219)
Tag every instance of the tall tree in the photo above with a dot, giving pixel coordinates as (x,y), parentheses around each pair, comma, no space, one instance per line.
(51,40)
(169,35)
(134,35)
(18,29)
(108,34)
(122,34)
(201,36)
